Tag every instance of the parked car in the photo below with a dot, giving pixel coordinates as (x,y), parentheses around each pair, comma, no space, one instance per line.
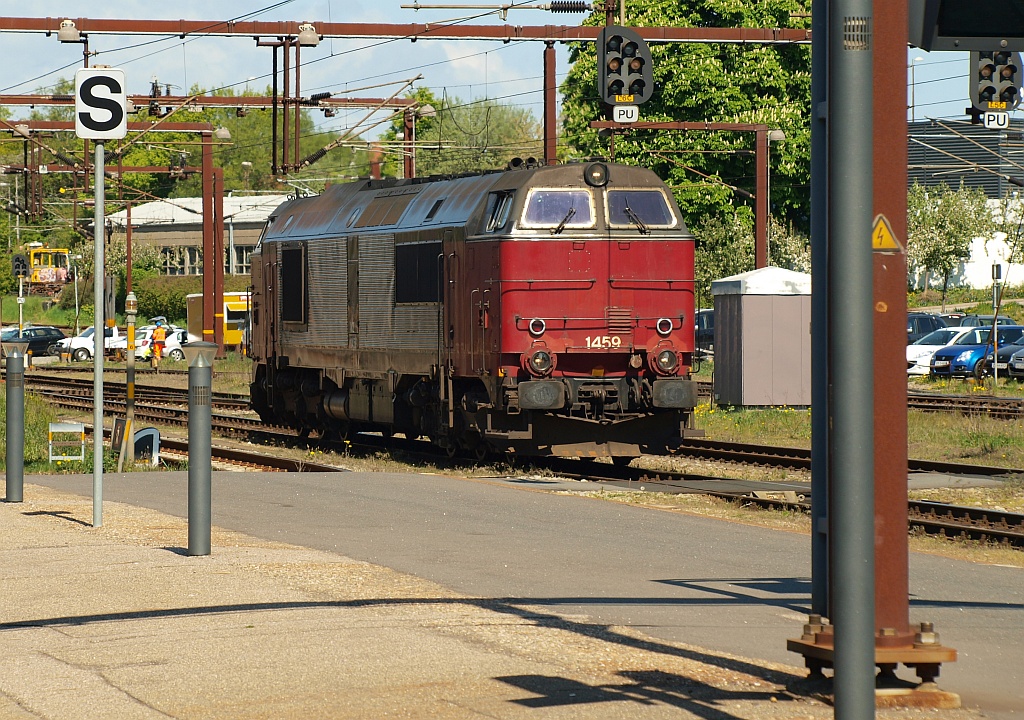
(962,357)
(42,339)
(704,329)
(919,352)
(144,343)
(83,346)
(983,320)
(1015,368)
(999,358)
(920,324)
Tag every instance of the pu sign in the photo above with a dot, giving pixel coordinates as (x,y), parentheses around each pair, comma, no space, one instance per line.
(996,120)
(100,104)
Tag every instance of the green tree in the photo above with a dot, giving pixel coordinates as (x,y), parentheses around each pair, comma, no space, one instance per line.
(768,84)
(725,246)
(459,136)
(941,223)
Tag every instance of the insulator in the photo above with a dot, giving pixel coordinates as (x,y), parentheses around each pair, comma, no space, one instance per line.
(314,99)
(66,159)
(569,6)
(313,157)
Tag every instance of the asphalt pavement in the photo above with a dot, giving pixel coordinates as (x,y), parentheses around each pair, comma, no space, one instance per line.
(432,596)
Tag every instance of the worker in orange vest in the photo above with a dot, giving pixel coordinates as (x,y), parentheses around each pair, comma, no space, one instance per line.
(158,339)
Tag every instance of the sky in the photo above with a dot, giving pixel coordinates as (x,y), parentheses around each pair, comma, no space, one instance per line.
(510,73)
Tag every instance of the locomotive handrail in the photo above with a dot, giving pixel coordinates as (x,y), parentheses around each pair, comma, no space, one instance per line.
(589,281)
(612,280)
(565,320)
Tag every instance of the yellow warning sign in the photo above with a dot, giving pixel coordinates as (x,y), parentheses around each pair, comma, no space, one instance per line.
(882,237)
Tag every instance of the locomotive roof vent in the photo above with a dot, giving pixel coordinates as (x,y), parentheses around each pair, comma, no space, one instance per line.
(596,174)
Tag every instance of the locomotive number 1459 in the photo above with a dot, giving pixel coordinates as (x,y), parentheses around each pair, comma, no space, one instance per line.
(604,341)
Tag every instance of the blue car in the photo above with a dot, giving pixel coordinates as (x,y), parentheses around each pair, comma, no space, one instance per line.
(963,358)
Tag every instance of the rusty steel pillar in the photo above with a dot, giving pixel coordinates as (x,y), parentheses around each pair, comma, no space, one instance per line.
(761,198)
(550,102)
(285,101)
(896,641)
(218,267)
(210,260)
(409,143)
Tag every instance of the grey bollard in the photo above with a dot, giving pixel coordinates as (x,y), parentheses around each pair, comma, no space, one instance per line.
(200,379)
(15,426)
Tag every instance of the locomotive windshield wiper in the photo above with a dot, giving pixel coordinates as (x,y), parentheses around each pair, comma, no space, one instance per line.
(561,226)
(635,219)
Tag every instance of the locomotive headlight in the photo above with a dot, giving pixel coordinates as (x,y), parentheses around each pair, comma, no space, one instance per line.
(667,361)
(540,362)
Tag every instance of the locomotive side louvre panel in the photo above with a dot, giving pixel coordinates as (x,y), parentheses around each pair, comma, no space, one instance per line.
(410,325)
(327,261)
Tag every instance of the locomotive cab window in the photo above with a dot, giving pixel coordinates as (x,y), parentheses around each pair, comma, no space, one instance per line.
(645,208)
(418,272)
(558,208)
(499,204)
(293,279)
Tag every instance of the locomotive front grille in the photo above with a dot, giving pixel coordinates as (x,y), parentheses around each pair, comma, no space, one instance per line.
(620,320)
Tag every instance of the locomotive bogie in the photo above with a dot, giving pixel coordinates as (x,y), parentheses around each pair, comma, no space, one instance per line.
(524,311)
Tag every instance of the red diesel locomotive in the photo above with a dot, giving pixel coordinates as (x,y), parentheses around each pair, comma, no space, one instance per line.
(539,311)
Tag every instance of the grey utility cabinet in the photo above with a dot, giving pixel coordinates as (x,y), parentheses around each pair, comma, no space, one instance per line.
(763,338)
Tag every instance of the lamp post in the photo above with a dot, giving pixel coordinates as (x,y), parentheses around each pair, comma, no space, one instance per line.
(777,136)
(913,64)
(246,169)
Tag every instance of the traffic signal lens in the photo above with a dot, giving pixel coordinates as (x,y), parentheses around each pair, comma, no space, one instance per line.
(637,87)
(636,65)
(614,65)
(613,44)
(615,87)
(629,50)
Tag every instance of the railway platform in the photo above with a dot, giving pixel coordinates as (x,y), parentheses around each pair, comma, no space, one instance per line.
(118,621)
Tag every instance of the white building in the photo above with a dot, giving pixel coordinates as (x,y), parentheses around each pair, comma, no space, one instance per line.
(175,226)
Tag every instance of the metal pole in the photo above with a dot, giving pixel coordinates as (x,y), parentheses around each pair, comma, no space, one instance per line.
(15,426)
(851,171)
(200,378)
(97,338)
(78,329)
(130,308)
(820,602)
(21,304)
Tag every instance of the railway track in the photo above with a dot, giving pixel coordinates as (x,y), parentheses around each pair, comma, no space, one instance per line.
(933,518)
(1003,408)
